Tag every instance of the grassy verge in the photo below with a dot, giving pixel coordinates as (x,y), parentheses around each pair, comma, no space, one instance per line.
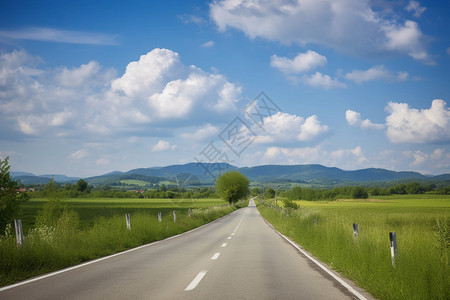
(421,225)
(48,248)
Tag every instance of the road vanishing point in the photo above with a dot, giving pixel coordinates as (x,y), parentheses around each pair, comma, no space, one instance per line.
(236,257)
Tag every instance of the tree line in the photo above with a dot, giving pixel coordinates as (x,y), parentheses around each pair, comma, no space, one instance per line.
(358,192)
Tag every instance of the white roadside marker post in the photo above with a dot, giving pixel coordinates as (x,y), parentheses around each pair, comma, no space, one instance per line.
(355,230)
(189,212)
(128,218)
(159,217)
(19,232)
(174,216)
(393,242)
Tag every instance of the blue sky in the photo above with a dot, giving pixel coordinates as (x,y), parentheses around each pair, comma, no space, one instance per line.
(89,87)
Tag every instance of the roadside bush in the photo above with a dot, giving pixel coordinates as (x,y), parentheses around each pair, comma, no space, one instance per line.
(290,204)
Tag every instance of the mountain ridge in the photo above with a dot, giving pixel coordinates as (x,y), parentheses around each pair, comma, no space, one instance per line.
(206,173)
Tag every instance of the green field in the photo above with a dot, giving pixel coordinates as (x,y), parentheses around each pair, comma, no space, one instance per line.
(421,265)
(89,209)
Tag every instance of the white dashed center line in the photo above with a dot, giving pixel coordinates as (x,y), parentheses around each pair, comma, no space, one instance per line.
(224,245)
(196,280)
(215,256)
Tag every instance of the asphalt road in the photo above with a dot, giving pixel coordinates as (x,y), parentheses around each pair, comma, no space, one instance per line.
(236,257)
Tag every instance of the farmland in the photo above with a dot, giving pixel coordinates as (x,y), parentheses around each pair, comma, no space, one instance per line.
(421,225)
(89,209)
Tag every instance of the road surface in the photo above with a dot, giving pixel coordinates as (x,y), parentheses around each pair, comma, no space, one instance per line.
(236,257)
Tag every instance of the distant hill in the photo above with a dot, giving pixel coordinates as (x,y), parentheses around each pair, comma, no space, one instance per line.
(26,179)
(204,173)
(114,177)
(311,172)
(61,178)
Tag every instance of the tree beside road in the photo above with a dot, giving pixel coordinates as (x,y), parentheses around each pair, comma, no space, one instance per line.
(232,186)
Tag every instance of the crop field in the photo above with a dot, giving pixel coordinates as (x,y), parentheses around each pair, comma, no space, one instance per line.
(91,228)
(90,209)
(420,269)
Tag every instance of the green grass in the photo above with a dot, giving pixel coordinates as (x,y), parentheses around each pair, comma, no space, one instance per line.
(421,268)
(102,231)
(91,208)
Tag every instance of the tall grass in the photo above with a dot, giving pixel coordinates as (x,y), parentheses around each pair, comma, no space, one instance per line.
(48,248)
(421,266)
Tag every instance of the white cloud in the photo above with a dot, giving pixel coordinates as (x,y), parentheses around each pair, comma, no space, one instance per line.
(203,133)
(409,39)
(163,145)
(311,129)
(303,62)
(284,127)
(409,125)
(354,119)
(172,90)
(323,81)
(191,19)
(415,8)
(80,154)
(58,36)
(150,73)
(349,26)
(85,99)
(208,44)
(375,73)
(438,159)
(88,74)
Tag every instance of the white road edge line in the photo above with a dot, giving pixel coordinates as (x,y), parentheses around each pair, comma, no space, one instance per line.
(196,280)
(106,257)
(216,255)
(337,278)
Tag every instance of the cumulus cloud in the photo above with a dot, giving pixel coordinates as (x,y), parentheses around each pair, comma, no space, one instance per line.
(439,159)
(34,100)
(349,26)
(375,73)
(284,127)
(88,98)
(320,80)
(173,90)
(410,125)
(303,62)
(415,8)
(89,74)
(311,129)
(354,119)
(409,39)
(163,146)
